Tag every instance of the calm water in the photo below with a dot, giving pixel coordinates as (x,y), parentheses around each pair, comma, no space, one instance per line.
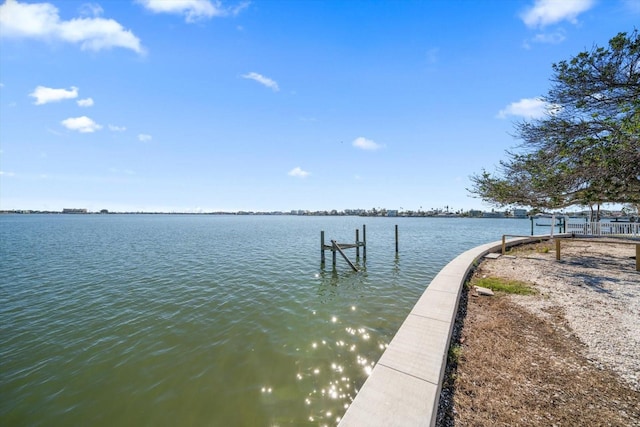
(136,320)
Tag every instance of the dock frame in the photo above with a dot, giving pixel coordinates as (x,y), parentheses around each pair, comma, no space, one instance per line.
(335,247)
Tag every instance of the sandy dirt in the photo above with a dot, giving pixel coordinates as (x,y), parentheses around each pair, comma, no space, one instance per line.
(569,355)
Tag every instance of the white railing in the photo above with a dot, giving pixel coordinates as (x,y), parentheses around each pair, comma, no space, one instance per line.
(605,228)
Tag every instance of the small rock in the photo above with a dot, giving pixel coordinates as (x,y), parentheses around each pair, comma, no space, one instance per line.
(484,291)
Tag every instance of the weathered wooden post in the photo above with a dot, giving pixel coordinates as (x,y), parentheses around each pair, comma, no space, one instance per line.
(333,251)
(504,243)
(637,257)
(357,244)
(531,225)
(322,248)
(396,238)
(557,249)
(364,240)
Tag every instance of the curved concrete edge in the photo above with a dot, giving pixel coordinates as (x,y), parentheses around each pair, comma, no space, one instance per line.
(404,387)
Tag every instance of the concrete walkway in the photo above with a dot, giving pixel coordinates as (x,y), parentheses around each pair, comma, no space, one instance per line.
(404,386)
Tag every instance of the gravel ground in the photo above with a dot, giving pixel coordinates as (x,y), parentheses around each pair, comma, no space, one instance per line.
(597,288)
(579,336)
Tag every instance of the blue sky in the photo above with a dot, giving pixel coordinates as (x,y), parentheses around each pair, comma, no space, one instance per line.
(160,105)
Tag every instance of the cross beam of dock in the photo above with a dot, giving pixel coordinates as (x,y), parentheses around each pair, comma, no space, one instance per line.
(337,246)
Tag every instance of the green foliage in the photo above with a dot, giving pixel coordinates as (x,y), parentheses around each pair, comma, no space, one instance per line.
(506,286)
(541,248)
(455,351)
(586,150)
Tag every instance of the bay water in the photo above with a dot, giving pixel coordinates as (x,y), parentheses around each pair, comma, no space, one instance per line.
(206,320)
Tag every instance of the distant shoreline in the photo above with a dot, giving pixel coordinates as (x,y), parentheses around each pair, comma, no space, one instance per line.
(274,213)
(384,213)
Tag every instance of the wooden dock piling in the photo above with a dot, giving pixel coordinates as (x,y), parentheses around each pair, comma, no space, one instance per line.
(364,242)
(396,238)
(333,251)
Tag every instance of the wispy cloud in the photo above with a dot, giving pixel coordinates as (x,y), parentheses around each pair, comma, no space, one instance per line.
(5,173)
(192,10)
(91,9)
(632,6)
(118,171)
(266,81)
(298,172)
(45,95)
(528,108)
(81,124)
(114,128)
(432,55)
(547,12)
(366,144)
(143,137)
(41,21)
(87,102)
(555,37)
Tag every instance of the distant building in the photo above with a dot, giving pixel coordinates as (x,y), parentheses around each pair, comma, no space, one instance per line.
(392,212)
(475,213)
(74,211)
(519,213)
(493,214)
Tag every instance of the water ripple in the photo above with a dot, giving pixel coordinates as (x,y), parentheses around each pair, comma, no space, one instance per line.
(191,320)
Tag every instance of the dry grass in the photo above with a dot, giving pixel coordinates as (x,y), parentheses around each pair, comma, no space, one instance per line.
(517,369)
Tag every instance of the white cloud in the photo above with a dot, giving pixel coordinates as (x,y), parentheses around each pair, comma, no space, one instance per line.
(262,80)
(193,10)
(114,128)
(41,21)
(556,37)
(144,137)
(529,108)
(44,95)
(298,172)
(366,144)
(87,102)
(546,12)
(81,124)
(3,173)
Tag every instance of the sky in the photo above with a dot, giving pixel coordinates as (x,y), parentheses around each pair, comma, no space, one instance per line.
(275,105)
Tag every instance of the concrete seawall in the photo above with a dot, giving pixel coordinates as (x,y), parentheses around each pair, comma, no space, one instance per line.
(404,386)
